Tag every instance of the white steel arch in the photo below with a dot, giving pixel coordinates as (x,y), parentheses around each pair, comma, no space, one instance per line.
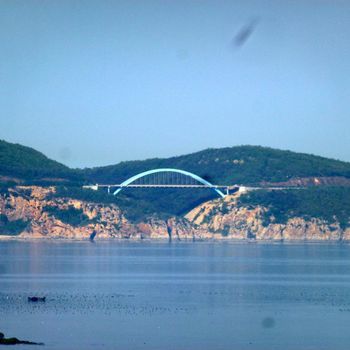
(183,172)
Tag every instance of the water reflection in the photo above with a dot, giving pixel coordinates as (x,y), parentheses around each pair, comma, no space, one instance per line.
(189,295)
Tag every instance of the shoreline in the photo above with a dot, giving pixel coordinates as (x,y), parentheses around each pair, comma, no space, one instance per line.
(9,238)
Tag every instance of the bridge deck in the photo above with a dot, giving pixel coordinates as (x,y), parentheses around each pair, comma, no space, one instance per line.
(160,186)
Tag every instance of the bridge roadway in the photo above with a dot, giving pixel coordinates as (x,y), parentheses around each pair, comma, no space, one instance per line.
(93,187)
(226,187)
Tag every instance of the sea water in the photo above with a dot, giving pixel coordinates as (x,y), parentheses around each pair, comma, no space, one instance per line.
(185,295)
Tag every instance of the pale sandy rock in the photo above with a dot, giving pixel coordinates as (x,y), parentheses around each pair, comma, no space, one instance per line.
(247,223)
(216,219)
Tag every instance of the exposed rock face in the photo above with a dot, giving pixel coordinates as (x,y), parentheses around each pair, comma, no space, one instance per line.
(29,203)
(217,219)
(236,222)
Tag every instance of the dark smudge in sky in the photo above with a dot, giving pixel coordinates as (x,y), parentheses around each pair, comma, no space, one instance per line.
(244,33)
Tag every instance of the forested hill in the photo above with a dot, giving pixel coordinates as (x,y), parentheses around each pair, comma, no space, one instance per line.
(21,164)
(247,165)
(243,165)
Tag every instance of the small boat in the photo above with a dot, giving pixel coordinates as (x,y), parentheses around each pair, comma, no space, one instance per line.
(36,299)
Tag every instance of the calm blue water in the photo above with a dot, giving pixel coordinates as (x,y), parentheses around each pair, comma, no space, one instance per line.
(198,296)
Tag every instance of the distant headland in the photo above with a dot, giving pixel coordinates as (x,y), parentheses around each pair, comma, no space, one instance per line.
(269,194)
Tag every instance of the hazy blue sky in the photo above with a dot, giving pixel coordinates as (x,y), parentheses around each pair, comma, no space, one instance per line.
(96,82)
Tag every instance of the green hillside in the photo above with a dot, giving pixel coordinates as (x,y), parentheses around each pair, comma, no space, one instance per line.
(327,203)
(22,163)
(246,165)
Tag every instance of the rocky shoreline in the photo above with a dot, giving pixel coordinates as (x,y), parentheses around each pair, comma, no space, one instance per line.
(15,341)
(7,238)
(216,220)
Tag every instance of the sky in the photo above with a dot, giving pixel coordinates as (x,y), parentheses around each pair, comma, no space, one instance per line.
(96,82)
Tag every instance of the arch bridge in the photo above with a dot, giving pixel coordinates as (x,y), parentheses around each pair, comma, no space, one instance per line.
(165,178)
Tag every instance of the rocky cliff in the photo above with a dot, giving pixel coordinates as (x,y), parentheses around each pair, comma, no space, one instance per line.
(228,218)
(42,215)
